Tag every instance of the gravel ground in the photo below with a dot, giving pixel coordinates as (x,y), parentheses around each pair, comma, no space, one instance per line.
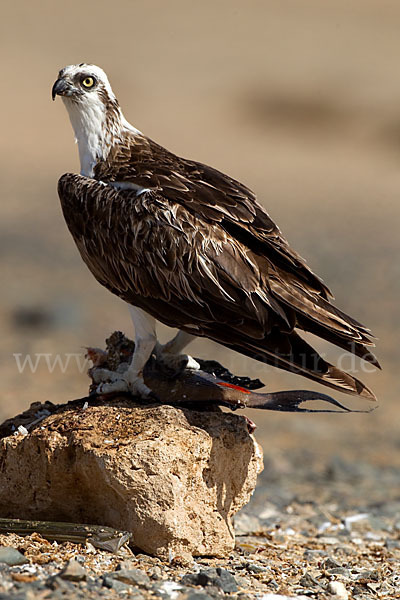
(300,101)
(305,534)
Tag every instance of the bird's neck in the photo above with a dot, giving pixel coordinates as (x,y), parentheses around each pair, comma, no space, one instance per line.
(96,131)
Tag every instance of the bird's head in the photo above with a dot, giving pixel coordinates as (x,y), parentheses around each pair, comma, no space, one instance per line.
(85,85)
(94,112)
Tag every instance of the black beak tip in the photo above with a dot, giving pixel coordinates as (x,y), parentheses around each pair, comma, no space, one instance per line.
(54,91)
(60,88)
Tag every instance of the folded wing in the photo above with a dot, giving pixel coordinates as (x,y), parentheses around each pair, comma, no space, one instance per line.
(202,255)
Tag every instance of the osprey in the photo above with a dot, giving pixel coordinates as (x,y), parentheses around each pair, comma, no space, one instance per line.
(185,244)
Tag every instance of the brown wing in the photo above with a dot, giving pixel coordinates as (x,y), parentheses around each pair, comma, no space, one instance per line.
(209,194)
(190,273)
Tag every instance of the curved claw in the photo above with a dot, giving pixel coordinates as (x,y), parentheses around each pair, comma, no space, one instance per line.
(110,382)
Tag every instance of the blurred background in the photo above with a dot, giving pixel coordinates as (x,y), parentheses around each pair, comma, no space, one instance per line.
(299,99)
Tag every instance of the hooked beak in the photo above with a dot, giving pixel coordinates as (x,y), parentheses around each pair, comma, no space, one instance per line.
(62,87)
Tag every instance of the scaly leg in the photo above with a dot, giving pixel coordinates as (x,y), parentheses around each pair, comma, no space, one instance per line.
(131,380)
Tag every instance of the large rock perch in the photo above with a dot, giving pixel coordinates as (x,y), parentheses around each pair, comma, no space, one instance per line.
(174,477)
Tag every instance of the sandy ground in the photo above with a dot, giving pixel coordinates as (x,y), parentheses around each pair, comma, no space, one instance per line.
(299,99)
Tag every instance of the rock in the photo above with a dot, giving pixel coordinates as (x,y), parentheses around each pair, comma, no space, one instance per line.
(118,586)
(308,581)
(331,563)
(369,574)
(339,571)
(195,595)
(73,571)
(338,590)
(184,559)
(28,594)
(155,573)
(254,568)
(167,590)
(314,554)
(55,583)
(174,477)
(218,577)
(113,584)
(132,577)
(11,556)
(392,544)
(280,597)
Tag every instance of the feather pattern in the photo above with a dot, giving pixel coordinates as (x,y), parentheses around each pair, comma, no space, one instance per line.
(189,272)
(192,246)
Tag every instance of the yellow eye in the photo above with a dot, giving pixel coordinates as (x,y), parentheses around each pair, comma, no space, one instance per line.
(88,82)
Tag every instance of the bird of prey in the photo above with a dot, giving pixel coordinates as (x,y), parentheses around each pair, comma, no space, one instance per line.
(183,243)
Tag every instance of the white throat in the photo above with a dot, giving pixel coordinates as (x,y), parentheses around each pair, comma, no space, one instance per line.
(93,134)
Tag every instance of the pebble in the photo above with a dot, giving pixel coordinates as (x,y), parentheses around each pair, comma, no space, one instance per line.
(183,559)
(271,566)
(131,576)
(254,568)
(314,554)
(243,582)
(308,581)
(11,556)
(23,595)
(331,563)
(73,571)
(57,583)
(156,573)
(113,584)
(195,595)
(339,571)
(392,544)
(371,574)
(143,558)
(338,590)
(218,577)
(280,597)
(328,541)
(168,590)
(350,520)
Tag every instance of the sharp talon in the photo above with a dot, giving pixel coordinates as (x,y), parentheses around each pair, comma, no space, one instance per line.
(111,382)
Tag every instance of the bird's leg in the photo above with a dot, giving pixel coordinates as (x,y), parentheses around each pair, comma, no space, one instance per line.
(131,379)
(177,344)
(170,358)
